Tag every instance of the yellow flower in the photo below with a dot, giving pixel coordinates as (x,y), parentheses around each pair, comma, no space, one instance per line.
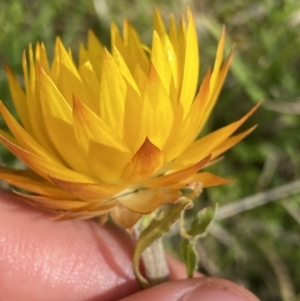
(116,133)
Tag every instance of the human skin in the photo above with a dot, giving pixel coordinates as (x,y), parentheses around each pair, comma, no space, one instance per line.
(42,259)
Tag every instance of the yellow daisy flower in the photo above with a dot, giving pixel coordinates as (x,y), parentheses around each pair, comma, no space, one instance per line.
(117,133)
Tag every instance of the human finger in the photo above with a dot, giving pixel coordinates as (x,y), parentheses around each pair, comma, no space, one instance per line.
(42,259)
(202,288)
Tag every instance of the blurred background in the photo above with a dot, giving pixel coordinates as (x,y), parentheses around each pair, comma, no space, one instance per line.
(255,239)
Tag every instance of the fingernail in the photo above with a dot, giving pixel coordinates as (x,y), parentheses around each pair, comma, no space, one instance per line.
(213,289)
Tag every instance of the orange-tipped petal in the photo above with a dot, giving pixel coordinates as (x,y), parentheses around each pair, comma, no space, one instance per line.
(87,191)
(44,167)
(207,179)
(230,142)
(145,163)
(30,181)
(210,142)
(48,203)
(176,177)
(145,201)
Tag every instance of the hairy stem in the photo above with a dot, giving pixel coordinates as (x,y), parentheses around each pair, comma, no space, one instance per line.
(155,263)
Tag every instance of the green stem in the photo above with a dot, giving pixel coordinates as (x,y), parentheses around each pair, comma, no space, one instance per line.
(153,258)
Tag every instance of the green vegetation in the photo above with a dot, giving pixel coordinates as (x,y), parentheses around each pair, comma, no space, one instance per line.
(259,248)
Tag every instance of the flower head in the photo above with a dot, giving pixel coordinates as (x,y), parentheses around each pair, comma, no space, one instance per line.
(116,133)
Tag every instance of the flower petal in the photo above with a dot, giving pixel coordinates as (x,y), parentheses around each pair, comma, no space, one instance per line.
(160,61)
(157,110)
(145,201)
(29,180)
(88,191)
(187,130)
(88,126)
(92,85)
(144,164)
(124,217)
(23,138)
(95,53)
(121,63)
(46,203)
(217,81)
(43,166)
(176,177)
(106,163)
(19,98)
(208,143)
(191,66)
(112,95)
(68,79)
(207,179)
(230,142)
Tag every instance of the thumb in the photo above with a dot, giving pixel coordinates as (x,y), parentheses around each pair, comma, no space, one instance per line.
(204,288)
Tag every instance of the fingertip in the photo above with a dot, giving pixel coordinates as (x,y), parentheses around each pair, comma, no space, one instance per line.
(61,260)
(203,288)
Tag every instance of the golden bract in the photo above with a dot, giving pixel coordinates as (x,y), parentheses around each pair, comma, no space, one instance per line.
(117,132)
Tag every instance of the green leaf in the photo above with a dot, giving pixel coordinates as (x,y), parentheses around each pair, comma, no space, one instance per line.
(189,255)
(158,227)
(197,229)
(202,221)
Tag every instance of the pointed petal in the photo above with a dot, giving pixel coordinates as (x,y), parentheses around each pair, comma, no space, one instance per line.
(19,99)
(191,66)
(88,126)
(52,101)
(57,116)
(207,179)
(158,23)
(133,120)
(210,142)
(23,138)
(219,59)
(92,209)
(157,110)
(83,55)
(215,89)
(87,211)
(92,85)
(88,191)
(112,95)
(230,142)
(29,180)
(41,57)
(69,82)
(176,177)
(47,203)
(134,45)
(160,61)
(145,163)
(43,166)
(95,53)
(37,129)
(188,129)
(123,68)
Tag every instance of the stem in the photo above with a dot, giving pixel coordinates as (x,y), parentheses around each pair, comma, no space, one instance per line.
(153,258)
(155,263)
